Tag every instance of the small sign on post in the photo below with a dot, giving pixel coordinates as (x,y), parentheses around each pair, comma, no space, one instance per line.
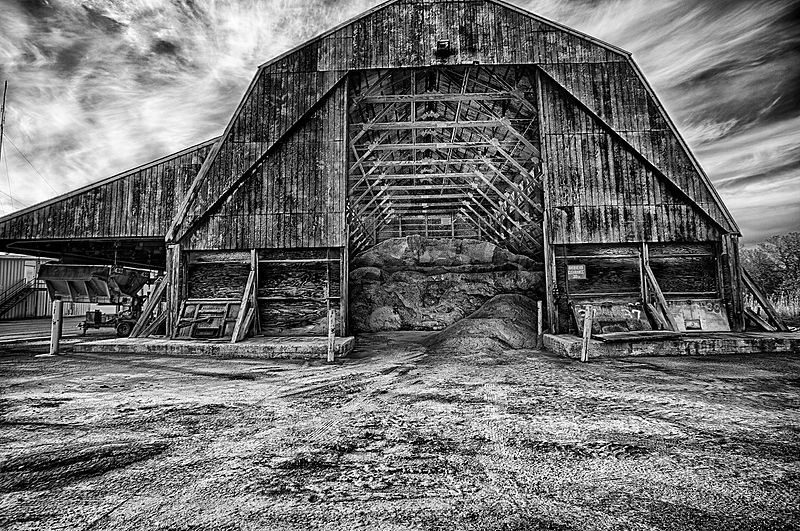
(56,325)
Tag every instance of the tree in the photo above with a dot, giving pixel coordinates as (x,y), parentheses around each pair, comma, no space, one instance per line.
(763,267)
(788,250)
(775,264)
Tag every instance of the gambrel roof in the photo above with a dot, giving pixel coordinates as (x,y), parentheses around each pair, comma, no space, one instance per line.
(404,34)
(309,80)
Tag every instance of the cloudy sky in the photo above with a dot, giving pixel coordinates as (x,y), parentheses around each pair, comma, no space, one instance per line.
(99,86)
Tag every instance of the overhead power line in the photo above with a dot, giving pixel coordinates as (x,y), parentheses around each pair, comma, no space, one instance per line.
(11,197)
(30,163)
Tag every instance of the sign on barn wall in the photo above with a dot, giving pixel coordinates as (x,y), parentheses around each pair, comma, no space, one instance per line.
(576,271)
(707,315)
(612,316)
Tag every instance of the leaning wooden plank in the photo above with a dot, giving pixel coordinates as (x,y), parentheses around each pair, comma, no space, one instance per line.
(660,297)
(653,311)
(760,321)
(246,296)
(248,322)
(152,327)
(763,301)
(152,302)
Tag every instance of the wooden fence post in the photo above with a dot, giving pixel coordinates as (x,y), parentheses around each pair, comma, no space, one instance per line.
(587,334)
(56,326)
(539,326)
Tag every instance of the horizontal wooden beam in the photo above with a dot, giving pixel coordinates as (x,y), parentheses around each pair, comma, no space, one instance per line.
(454,203)
(417,176)
(391,187)
(437,124)
(439,145)
(425,162)
(436,96)
(426,197)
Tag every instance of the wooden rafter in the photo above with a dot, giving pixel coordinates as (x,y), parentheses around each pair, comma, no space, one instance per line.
(429,149)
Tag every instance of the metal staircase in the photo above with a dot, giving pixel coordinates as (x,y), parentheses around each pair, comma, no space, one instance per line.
(17,293)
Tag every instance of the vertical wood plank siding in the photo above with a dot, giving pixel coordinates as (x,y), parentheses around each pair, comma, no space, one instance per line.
(402,34)
(609,195)
(614,92)
(600,192)
(296,198)
(137,203)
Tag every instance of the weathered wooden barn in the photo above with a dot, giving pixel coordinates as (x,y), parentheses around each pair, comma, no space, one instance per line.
(468,119)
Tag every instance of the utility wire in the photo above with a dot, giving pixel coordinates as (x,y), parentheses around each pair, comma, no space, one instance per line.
(11,197)
(29,163)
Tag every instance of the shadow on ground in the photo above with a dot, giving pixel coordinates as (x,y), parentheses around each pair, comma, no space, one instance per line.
(399,437)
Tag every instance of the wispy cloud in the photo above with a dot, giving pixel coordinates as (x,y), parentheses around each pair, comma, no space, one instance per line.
(728,74)
(98,86)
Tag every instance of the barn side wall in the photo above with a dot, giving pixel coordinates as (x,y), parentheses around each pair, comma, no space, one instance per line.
(600,191)
(137,203)
(604,200)
(296,199)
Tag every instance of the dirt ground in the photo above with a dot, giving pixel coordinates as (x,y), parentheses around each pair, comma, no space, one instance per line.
(397,438)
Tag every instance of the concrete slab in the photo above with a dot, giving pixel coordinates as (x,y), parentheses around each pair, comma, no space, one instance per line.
(690,344)
(256,347)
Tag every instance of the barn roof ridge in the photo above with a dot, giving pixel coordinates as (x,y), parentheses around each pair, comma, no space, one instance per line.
(104,181)
(503,3)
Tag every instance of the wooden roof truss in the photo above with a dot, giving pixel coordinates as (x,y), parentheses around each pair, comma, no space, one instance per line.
(444,141)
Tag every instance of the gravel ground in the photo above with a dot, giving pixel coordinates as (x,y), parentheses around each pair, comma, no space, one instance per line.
(397,438)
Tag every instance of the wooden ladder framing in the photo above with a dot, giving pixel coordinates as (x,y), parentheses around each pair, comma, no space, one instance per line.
(144,327)
(771,321)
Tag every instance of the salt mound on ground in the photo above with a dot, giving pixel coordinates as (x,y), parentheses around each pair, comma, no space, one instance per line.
(503,322)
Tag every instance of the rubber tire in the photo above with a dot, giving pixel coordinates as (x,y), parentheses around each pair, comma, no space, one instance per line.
(124,329)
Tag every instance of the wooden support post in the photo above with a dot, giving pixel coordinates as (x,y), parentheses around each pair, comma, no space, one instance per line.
(539,326)
(587,334)
(174,289)
(344,290)
(550,271)
(331,312)
(56,326)
(737,291)
(254,301)
(331,334)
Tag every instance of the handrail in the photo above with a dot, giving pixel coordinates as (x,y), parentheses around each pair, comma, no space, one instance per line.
(15,289)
